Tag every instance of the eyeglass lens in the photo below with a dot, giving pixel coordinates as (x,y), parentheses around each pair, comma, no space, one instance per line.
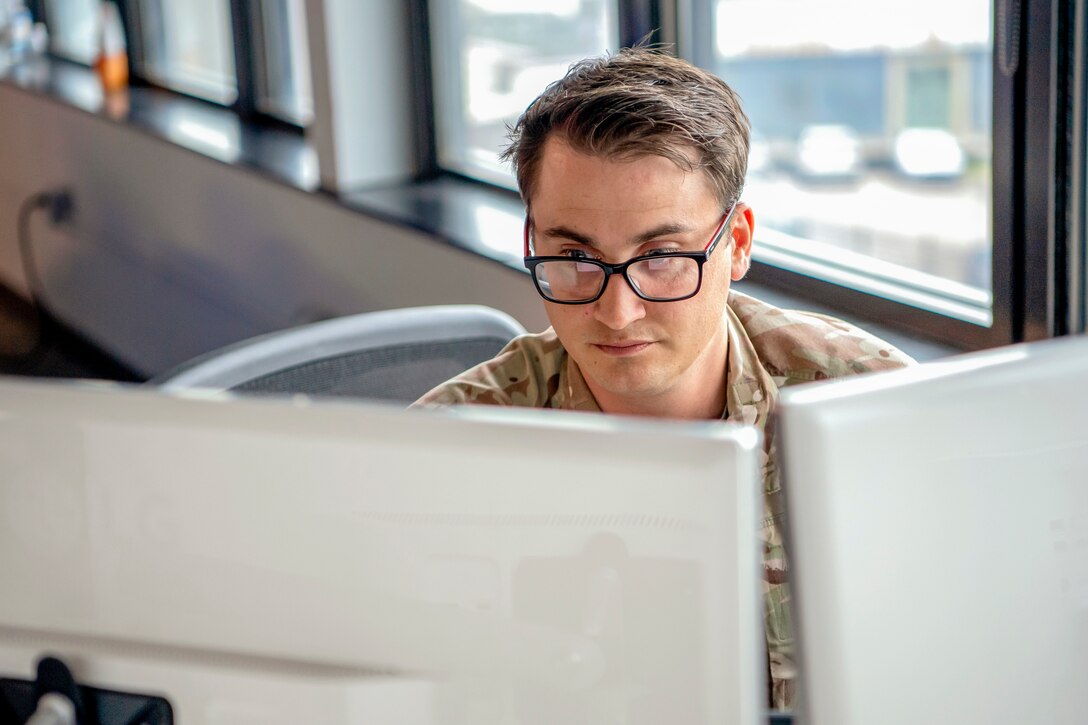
(658,278)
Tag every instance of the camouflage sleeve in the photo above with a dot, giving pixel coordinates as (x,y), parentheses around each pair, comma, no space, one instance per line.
(797,347)
(522,374)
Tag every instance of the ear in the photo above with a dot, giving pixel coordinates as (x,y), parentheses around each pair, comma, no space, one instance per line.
(744,226)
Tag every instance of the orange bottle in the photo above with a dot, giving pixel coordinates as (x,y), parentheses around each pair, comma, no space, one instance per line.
(112,61)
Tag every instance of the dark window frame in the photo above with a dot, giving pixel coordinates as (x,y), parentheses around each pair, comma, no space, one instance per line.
(1078,195)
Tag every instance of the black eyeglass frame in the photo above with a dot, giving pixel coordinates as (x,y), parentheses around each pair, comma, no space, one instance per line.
(531,263)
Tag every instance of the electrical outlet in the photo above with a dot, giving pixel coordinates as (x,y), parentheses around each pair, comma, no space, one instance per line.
(61,206)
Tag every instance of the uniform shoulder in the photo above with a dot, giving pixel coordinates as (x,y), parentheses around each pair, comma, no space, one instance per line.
(521,374)
(796,346)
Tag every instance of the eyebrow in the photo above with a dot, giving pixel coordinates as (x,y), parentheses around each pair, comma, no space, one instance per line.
(661,230)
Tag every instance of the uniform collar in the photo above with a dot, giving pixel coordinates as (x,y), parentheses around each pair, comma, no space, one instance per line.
(574,393)
(749,390)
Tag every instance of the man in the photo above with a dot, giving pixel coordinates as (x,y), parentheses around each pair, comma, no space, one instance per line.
(631,169)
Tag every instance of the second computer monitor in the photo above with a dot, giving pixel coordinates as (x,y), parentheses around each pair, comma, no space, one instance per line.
(938,521)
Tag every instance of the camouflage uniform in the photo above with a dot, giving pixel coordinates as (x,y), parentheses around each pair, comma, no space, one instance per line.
(769,348)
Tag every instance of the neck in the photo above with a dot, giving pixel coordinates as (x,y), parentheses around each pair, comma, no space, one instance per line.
(664,406)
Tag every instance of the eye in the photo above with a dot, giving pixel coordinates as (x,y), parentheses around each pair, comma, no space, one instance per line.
(661,264)
(575,254)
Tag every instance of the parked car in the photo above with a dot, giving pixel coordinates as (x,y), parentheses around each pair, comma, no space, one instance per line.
(829,152)
(929,153)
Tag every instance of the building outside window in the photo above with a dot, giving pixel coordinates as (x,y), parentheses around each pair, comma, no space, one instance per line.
(493,57)
(871,136)
(283,60)
(73,28)
(188,47)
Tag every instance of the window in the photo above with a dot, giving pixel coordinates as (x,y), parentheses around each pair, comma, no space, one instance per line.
(188,47)
(871,165)
(283,62)
(871,140)
(73,26)
(252,55)
(493,57)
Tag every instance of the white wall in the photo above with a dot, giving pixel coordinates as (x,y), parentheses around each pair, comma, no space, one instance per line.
(173,253)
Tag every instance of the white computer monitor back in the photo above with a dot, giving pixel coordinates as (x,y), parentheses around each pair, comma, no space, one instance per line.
(263,561)
(938,523)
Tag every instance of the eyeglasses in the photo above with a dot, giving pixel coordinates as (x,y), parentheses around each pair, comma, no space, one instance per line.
(661,277)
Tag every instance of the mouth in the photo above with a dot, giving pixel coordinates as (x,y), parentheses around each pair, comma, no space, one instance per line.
(624,348)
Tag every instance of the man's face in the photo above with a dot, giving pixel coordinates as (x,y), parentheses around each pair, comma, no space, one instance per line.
(628,348)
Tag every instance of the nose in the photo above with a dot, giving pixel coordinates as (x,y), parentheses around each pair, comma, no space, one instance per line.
(618,306)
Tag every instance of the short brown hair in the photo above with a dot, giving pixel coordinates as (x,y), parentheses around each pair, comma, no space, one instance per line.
(638,102)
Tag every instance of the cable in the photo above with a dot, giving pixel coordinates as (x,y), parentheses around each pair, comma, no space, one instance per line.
(54,336)
(45,321)
(57,695)
(53,709)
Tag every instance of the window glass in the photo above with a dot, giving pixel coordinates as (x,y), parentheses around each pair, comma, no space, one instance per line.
(871,134)
(188,46)
(493,57)
(73,28)
(283,63)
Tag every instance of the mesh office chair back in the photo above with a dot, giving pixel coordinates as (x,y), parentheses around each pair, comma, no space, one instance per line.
(394,355)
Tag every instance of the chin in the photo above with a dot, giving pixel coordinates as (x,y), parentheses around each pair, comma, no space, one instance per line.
(630,383)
